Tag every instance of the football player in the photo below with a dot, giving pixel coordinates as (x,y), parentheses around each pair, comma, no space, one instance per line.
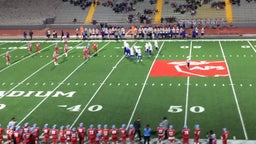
(30,48)
(81,133)
(114,133)
(196,134)
(62,135)
(91,133)
(185,134)
(38,47)
(57,48)
(55,58)
(68,132)
(1,134)
(224,135)
(36,132)
(171,134)
(123,133)
(54,134)
(66,50)
(156,45)
(160,132)
(46,133)
(188,62)
(74,136)
(7,58)
(131,133)
(105,134)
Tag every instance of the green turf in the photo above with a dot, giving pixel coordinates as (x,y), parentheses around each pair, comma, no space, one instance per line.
(113,89)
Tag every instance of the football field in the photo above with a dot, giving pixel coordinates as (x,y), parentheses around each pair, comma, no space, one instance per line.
(217,91)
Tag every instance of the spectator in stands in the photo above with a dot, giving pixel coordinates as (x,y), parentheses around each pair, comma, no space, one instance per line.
(48,34)
(67,35)
(62,34)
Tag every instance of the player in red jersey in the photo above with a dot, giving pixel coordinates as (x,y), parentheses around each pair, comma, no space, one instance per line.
(74,136)
(1,134)
(65,41)
(46,133)
(86,53)
(38,47)
(185,134)
(62,135)
(105,134)
(36,132)
(26,127)
(123,133)
(91,133)
(95,48)
(197,134)
(224,135)
(66,50)
(81,133)
(30,48)
(7,58)
(57,48)
(26,136)
(99,133)
(68,132)
(131,133)
(18,135)
(171,134)
(160,132)
(55,58)
(54,134)
(214,139)
(88,48)
(114,133)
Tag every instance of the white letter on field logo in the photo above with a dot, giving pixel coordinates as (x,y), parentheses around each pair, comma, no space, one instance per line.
(60,93)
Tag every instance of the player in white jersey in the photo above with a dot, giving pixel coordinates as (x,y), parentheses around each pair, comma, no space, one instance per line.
(150,49)
(139,56)
(146,48)
(156,45)
(132,53)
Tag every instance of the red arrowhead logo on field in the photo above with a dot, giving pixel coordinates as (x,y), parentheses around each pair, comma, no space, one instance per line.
(177,68)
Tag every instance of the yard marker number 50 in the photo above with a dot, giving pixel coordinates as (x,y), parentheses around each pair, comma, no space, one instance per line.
(178,109)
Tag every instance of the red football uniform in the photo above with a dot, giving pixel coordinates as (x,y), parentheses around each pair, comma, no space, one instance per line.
(131,134)
(9,134)
(123,134)
(38,47)
(57,49)
(197,135)
(66,48)
(85,53)
(7,58)
(114,133)
(95,47)
(81,134)
(54,135)
(62,136)
(1,134)
(171,135)
(225,137)
(99,133)
(36,133)
(160,133)
(55,57)
(26,138)
(68,135)
(46,133)
(18,136)
(74,137)
(185,135)
(91,132)
(30,47)
(65,41)
(105,135)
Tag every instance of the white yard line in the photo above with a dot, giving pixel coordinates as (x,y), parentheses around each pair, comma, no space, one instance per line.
(187,90)
(58,86)
(252,46)
(143,87)
(12,64)
(96,92)
(31,76)
(234,93)
(13,49)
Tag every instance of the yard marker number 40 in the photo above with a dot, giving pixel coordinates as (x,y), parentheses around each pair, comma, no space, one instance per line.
(178,109)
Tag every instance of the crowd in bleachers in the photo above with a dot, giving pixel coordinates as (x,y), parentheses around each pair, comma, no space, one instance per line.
(82,3)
